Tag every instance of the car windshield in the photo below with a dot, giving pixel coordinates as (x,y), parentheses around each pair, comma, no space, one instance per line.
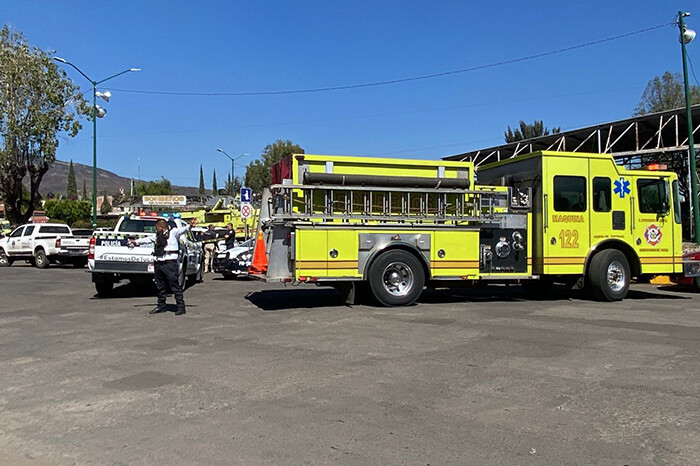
(141,225)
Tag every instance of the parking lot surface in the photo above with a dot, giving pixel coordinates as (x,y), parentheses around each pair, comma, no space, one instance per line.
(259,374)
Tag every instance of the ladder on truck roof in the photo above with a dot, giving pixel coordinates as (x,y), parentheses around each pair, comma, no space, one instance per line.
(333,203)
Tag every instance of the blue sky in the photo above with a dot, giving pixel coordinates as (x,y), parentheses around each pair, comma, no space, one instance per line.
(232,46)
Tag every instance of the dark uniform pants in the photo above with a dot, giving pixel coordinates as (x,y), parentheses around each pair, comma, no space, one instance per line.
(166,277)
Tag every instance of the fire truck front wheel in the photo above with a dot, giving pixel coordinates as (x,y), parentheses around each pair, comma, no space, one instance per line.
(609,275)
(396,278)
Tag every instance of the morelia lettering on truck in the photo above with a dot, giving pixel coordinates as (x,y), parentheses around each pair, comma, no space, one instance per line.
(389,227)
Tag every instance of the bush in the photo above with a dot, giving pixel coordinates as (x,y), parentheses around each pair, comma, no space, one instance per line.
(67,210)
(82,223)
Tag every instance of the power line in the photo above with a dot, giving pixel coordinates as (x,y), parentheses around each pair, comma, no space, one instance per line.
(692,69)
(402,80)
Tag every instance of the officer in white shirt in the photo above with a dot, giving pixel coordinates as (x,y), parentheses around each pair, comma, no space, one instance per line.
(166,263)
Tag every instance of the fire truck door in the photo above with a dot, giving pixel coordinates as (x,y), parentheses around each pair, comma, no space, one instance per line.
(653,224)
(566,230)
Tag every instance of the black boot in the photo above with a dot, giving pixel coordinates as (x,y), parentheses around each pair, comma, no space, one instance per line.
(157,310)
(180,311)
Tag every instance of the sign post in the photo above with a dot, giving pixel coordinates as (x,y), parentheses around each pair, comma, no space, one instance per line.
(246,213)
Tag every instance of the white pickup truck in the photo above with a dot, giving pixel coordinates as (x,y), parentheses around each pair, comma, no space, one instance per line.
(111,259)
(42,244)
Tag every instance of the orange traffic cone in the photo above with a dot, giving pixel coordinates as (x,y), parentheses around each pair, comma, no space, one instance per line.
(259,265)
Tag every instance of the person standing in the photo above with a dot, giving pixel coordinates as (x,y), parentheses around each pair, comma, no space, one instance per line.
(166,263)
(209,239)
(230,236)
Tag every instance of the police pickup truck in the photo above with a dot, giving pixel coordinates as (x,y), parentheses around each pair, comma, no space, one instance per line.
(42,244)
(111,258)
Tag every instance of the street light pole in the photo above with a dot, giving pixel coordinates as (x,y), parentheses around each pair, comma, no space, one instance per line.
(687,35)
(96,112)
(233,169)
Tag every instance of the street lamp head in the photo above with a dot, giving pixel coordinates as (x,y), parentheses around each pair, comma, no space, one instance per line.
(687,36)
(60,59)
(100,112)
(134,69)
(219,149)
(104,95)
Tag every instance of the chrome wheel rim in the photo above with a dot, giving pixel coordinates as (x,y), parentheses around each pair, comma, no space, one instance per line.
(616,276)
(397,279)
(3,258)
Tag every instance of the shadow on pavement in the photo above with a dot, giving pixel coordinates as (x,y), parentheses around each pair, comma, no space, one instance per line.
(310,298)
(130,290)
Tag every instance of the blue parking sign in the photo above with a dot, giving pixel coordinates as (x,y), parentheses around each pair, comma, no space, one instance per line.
(246,195)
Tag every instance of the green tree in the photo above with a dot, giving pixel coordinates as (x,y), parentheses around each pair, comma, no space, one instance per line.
(257,175)
(236,186)
(665,93)
(67,210)
(161,187)
(37,103)
(528,131)
(72,189)
(106,207)
(213,184)
(229,187)
(201,181)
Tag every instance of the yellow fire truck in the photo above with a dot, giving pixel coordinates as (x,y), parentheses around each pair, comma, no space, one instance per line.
(393,226)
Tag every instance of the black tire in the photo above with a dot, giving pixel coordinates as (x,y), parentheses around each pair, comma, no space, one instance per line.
(195,277)
(199,278)
(537,289)
(5,261)
(41,261)
(396,278)
(609,275)
(181,276)
(104,289)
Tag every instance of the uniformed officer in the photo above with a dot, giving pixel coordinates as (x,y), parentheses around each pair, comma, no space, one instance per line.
(230,236)
(166,263)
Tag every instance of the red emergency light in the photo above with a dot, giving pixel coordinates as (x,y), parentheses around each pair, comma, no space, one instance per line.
(657,167)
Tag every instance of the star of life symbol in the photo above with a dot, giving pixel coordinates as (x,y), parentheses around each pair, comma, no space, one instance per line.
(653,235)
(622,187)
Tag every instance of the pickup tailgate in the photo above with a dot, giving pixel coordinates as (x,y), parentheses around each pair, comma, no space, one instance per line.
(74,246)
(113,255)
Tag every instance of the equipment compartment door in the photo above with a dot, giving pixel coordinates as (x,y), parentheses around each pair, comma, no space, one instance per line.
(311,253)
(342,253)
(566,216)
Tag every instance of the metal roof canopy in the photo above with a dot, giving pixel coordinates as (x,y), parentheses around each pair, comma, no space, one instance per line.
(634,142)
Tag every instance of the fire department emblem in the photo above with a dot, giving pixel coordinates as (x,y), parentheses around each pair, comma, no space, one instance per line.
(653,235)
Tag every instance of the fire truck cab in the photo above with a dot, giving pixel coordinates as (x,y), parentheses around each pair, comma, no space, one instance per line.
(596,220)
(392,226)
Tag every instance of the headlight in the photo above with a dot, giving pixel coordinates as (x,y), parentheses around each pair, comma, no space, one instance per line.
(246,256)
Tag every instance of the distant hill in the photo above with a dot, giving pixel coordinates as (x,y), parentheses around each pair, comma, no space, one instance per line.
(56,181)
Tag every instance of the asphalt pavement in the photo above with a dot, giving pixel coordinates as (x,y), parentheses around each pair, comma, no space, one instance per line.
(260,374)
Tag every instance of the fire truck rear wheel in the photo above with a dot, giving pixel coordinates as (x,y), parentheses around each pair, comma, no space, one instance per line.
(396,278)
(609,275)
